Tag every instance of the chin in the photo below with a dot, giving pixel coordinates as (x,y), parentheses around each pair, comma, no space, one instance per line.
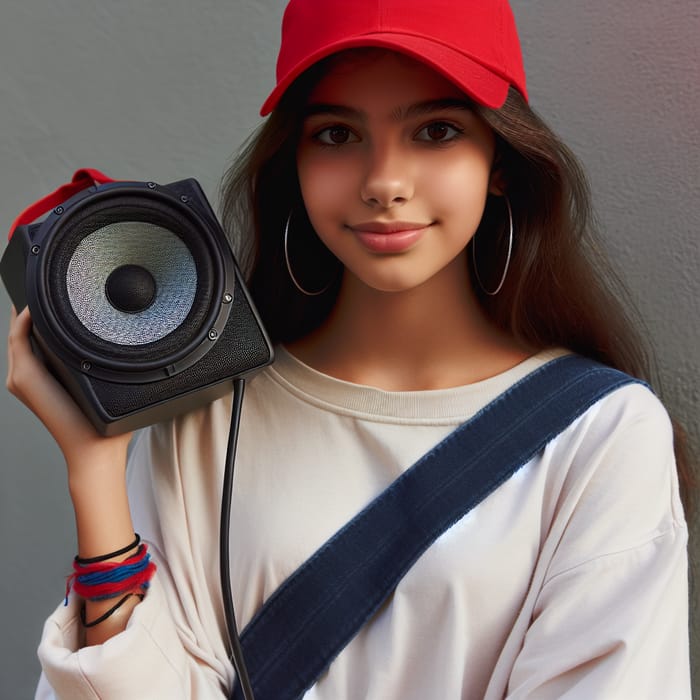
(392,285)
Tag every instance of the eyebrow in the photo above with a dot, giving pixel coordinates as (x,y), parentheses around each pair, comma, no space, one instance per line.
(417,109)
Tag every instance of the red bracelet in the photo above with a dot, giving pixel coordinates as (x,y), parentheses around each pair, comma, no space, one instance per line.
(109,579)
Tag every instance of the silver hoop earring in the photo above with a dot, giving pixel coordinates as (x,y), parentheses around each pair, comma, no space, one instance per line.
(507,265)
(289,267)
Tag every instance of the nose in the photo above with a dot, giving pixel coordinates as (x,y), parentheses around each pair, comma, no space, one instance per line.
(387,181)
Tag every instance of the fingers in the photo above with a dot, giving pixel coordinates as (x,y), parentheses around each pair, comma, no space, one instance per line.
(17,345)
(30,381)
(23,367)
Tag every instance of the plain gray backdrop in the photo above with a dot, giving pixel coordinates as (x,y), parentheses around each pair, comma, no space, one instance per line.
(166,90)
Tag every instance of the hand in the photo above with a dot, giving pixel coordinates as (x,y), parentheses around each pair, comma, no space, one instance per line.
(96,464)
(30,381)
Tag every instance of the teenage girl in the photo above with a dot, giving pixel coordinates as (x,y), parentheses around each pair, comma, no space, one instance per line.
(416,241)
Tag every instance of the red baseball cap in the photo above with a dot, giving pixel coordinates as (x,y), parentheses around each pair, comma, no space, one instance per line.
(474,43)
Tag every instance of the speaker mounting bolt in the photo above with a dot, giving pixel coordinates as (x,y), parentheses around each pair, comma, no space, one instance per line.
(184,198)
(85,366)
(151,185)
(228,298)
(213,334)
(35,250)
(58,210)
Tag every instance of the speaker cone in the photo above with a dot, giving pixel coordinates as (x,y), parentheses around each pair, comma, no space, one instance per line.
(131,283)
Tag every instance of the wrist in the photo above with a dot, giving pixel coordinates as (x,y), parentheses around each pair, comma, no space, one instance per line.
(92,465)
(101,504)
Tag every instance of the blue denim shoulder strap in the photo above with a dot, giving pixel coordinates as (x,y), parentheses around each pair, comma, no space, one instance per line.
(311,617)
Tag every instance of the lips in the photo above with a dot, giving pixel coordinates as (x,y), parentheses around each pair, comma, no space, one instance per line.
(389,237)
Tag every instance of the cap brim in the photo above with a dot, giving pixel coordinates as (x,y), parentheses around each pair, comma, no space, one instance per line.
(483,85)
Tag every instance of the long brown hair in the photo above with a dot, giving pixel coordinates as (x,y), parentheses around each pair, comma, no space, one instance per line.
(560,290)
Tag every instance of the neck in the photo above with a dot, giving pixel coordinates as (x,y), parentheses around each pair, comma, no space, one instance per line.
(429,337)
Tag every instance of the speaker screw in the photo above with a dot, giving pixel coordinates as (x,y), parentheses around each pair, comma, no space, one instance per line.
(213,335)
(58,210)
(86,366)
(184,198)
(228,298)
(151,185)
(35,250)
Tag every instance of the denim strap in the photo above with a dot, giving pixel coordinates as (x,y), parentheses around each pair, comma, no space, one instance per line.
(313,615)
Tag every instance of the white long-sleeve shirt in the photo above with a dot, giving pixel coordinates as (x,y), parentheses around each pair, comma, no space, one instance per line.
(569,581)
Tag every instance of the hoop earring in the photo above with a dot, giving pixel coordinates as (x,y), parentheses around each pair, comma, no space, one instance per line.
(289,267)
(507,265)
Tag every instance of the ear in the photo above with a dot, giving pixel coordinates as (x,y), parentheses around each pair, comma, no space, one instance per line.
(497,181)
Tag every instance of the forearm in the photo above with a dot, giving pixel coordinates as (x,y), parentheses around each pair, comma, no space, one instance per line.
(96,465)
(102,515)
(103,523)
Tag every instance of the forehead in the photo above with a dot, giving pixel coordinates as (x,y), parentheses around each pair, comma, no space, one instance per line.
(372,73)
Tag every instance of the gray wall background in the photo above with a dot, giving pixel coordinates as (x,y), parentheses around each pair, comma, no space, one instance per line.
(164,90)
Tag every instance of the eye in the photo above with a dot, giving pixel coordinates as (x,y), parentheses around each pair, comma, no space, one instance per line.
(438,132)
(335,135)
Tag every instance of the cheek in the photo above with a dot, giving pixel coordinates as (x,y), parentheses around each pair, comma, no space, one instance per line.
(457,186)
(324,183)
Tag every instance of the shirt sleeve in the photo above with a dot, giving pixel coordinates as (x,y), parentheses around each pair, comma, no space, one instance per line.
(173,646)
(147,660)
(611,617)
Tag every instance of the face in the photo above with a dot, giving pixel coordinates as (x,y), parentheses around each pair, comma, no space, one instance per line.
(394,169)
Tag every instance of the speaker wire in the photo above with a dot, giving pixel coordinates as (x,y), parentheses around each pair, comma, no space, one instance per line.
(235,649)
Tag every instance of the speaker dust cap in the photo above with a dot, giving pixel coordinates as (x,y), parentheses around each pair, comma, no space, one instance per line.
(133,281)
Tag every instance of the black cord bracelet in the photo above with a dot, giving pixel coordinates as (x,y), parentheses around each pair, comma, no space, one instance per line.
(111,555)
(109,612)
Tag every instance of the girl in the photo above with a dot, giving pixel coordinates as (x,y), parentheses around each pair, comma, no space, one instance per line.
(417,241)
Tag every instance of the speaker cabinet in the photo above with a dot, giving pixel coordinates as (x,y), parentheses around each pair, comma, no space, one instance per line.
(137,302)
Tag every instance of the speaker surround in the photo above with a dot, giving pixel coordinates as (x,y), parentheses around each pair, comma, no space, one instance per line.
(137,303)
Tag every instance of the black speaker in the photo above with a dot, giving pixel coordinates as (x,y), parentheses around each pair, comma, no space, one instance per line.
(137,303)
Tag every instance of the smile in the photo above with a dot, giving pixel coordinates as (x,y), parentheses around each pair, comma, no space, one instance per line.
(388,237)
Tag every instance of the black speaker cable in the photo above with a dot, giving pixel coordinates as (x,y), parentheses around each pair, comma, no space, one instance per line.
(235,650)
